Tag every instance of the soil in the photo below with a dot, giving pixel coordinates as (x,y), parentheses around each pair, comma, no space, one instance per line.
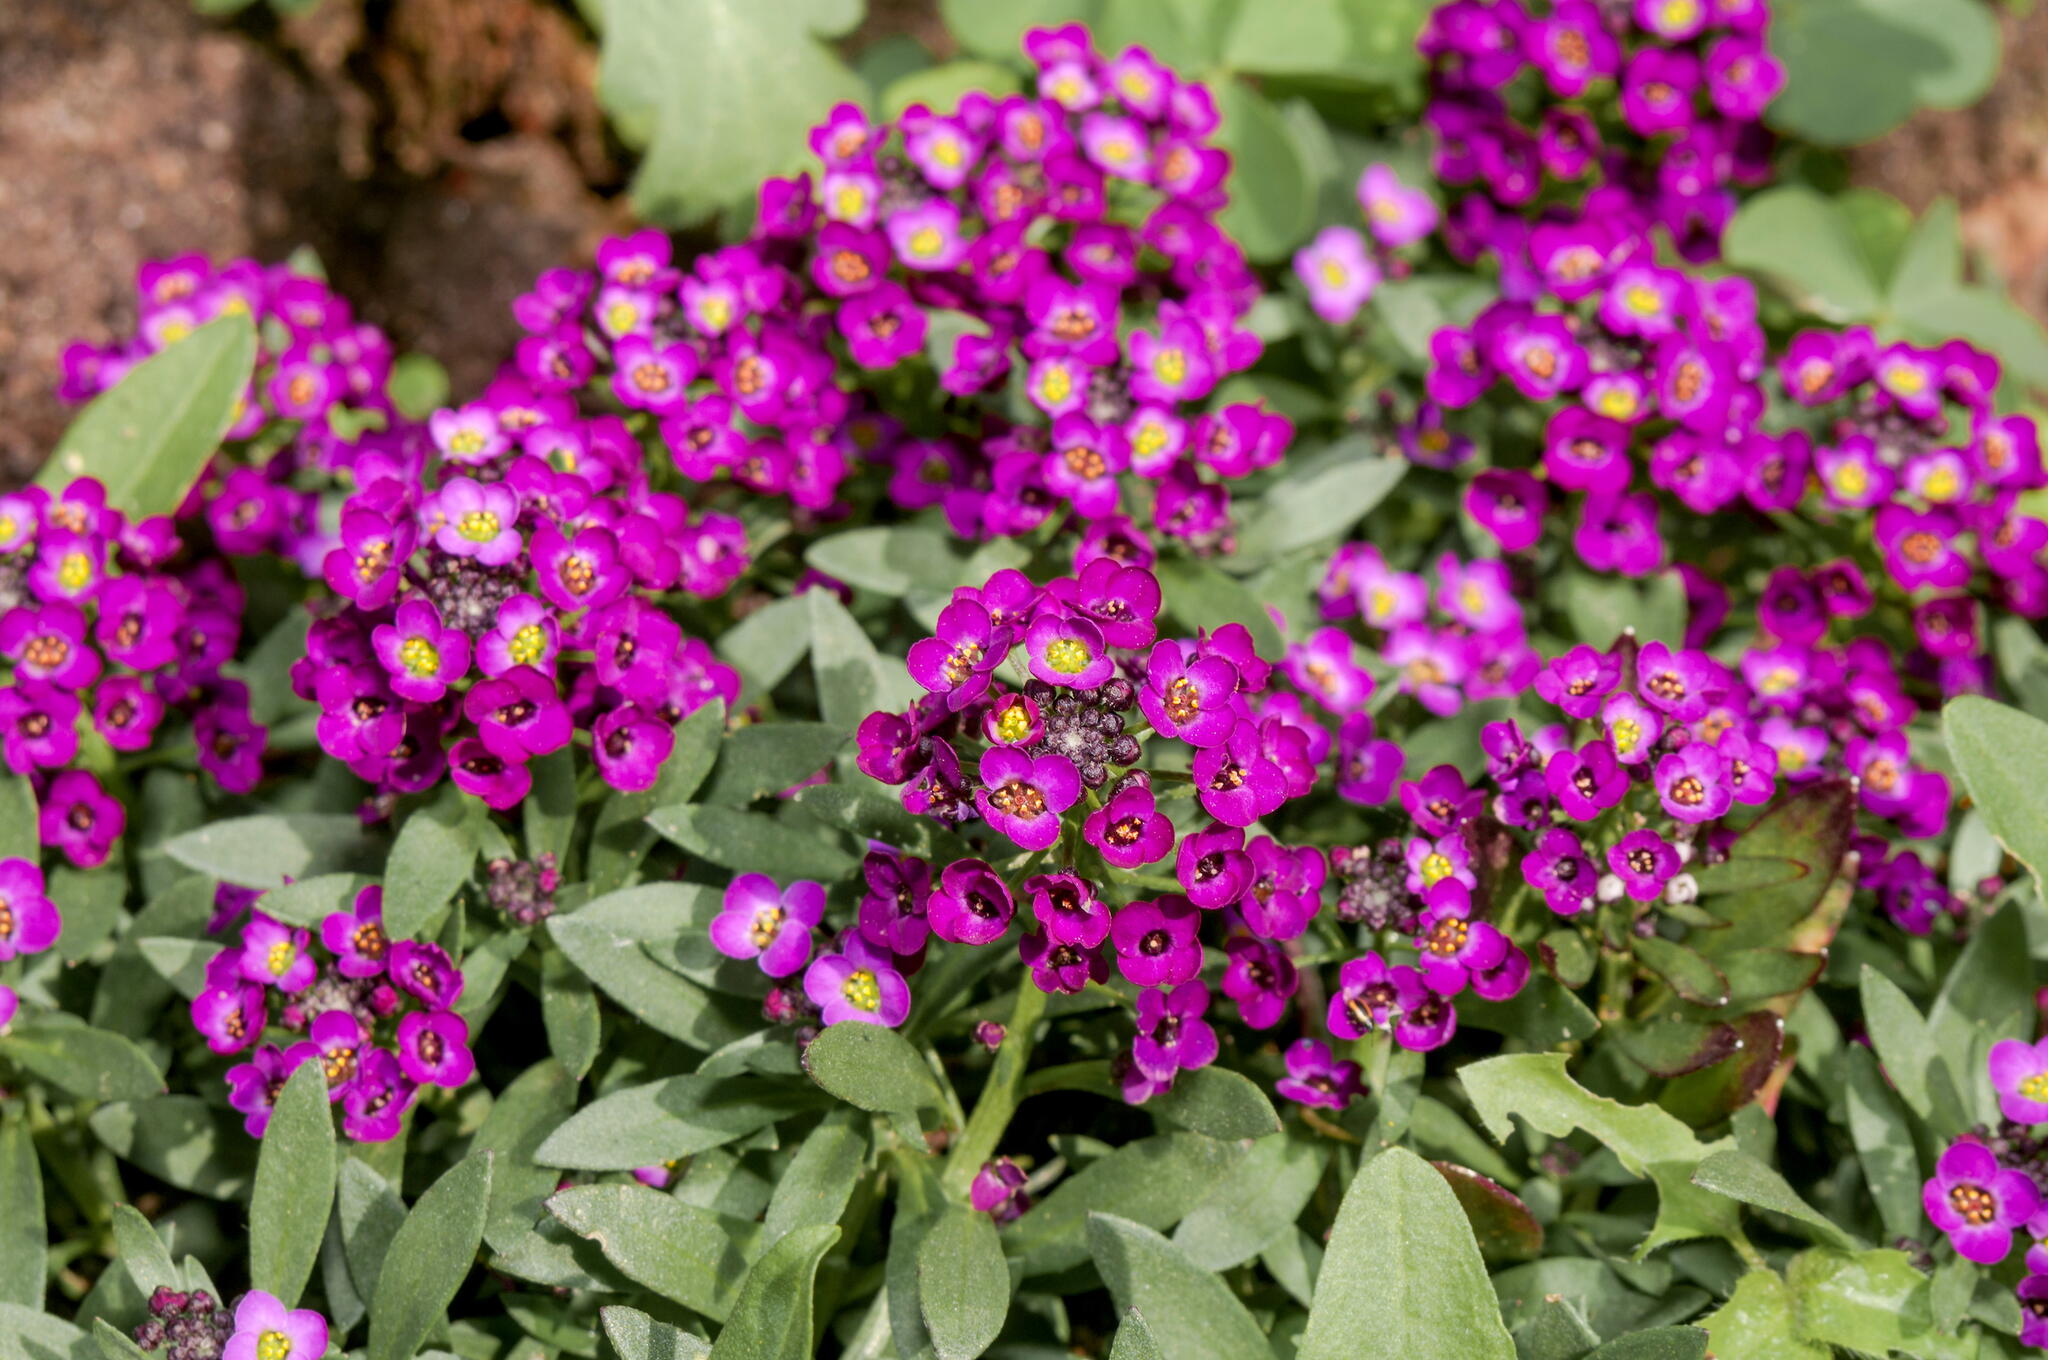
(400,138)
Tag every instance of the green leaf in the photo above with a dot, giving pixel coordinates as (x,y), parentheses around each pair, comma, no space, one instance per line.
(1646,1140)
(1802,243)
(998,30)
(19,838)
(1218,1102)
(569,1013)
(1873,1302)
(1545,1013)
(939,88)
(1930,265)
(1691,976)
(1855,69)
(369,1213)
(1201,596)
(963,1283)
(141,1251)
(294,1187)
(418,385)
(24,1240)
(1134,1339)
(549,811)
(871,1067)
(895,559)
(429,861)
(429,1258)
(1558,1331)
(521,1118)
(88,1064)
(1402,1277)
(147,438)
(1902,1040)
(1742,1177)
(1987,996)
(873,812)
(622,838)
(309,901)
(784,845)
(1884,1145)
(605,941)
(1660,1343)
(820,1179)
(853,679)
(720,93)
(180,1140)
(1317,499)
(2000,753)
(1303,37)
(1602,608)
(264,851)
(766,644)
(684,1253)
(1272,199)
(772,1319)
(769,757)
(1257,1202)
(1154,1181)
(636,1336)
(667,1120)
(1190,1311)
(1501,1222)
(113,1343)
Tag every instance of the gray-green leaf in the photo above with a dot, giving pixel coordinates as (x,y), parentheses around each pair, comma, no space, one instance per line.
(429,1258)
(294,1187)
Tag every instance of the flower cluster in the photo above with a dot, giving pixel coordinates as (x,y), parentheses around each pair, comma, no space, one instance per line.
(1341,268)
(107,627)
(375,1013)
(318,398)
(1063,242)
(267,1330)
(1654,107)
(500,601)
(185,1325)
(29,922)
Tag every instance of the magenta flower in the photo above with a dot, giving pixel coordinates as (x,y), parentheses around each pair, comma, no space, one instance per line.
(1156,942)
(1064,966)
(1236,782)
(580,571)
(959,659)
(774,927)
(423,970)
(1068,652)
(1682,684)
(266,1330)
(1558,868)
(1129,830)
(1397,214)
(1631,727)
(1212,866)
(518,716)
(1579,680)
(1315,1078)
(1453,946)
(998,1190)
(629,745)
(1509,505)
(1068,909)
(335,1041)
(1192,700)
(971,904)
(1371,996)
(1023,796)
(857,982)
(29,921)
(1173,1031)
(1285,891)
(356,938)
(523,633)
(433,1048)
(421,657)
(882,326)
(1586,782)
(1694,783)
(38,727)
(276,955)
(1645,862)
(1261,979)
(1367,767)
(472,519)
(1977,1202)
(927,237)
(893,908)
(254,1086)
(1323,667)
(230,1017)
(2019,1071)
(374,1105)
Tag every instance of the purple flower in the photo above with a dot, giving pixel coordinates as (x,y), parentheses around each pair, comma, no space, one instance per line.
(858,982)
(29,921)
(1683,684)
(1558,868)
(959,659)
(276,955)
(473,519)
(1586,782)
(1920,549)
(971,905)
(1314,1077)
(518,715)
(882,326)
(1694,783)
(1632,728)
(1023,796)
(927,237)
(998,1190)
(1397,214)
(1173,1033)
(1509,505)
(2033,1296)
(1129,830)
(1236,782)
(424,970)
(1453,946)
(1068,909)
(1577,681)
(126,712)
(523,633)
(2019,1071)
(759,922)
(38,727)
(356,938)
(1323,667)
(266,1330)
(230,1018)
(1752,767)
(1260,978)
(651,377)
(374,1105)
(578,572)
(433,1048)
(335,1040)
(1645,862)
(1285,890)
(1067,652)
(1061,965)
(1191,700)
(893,909)
(1370,996)
(48,645)
(421,657)
(1212,866)
(1977,1202)
(1338,274)
(254,1086)
(1155,941)
(1367,767)
(630,745)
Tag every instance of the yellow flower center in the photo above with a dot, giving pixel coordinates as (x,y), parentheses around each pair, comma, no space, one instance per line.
(1627,732)
(1057,384)
(850,202)
(419,658)
(467,441)
(1334,273)
(2035,1087)
(279,959)
(478,526)
(1852,479)
(1942,484)
(862,991)
(621,316)
(528,644)
(926,242)
(1150,439)
(1435,868)
(74,571)
(1617,403)
(1068,656)
(1014,725)
(1644,300)
(1171,365)
(273,1346)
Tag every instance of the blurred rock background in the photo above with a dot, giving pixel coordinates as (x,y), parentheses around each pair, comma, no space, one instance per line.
(439,153)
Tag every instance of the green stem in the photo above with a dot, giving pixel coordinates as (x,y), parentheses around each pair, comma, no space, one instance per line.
(991,1117)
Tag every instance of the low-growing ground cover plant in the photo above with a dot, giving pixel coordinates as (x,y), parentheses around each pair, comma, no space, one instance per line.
(1040,754)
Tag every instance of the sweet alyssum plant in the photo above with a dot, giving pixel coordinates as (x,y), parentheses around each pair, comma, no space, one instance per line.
(1065,745)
